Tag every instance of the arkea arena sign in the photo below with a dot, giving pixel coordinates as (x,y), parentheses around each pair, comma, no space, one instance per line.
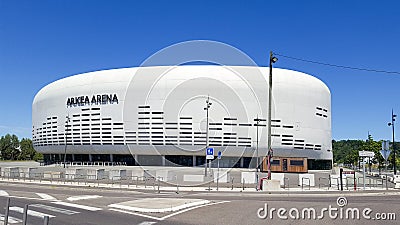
(92,100)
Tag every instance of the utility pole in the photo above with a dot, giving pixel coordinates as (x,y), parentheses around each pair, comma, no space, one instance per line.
(393,144)
(272,60)
(257,124)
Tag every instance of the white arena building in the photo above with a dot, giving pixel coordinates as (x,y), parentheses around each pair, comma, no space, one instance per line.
(156,116)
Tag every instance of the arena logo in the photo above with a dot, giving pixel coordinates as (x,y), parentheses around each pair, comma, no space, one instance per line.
(92,100)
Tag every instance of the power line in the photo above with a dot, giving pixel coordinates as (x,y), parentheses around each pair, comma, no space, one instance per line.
(339,66)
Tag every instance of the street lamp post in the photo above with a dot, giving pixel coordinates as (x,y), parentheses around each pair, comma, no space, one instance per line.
(394,148)
(272,60)
(66,134)
(258,120)
(208,105)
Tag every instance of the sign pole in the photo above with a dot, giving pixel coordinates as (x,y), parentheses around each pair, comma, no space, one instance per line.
(218,174)
(341,179)
(363,172)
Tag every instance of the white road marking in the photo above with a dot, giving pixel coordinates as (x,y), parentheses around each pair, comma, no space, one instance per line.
(46,196)
(162,210)
(195,207)
(3,193)
(54,209)
(82,197)
(31,212)
(11,219)
(136,214)
(85,207)
(167,216)
(147,223)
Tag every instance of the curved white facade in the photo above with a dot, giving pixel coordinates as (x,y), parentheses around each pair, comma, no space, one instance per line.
(160,111)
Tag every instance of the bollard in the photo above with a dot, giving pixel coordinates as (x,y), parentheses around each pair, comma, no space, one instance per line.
(7,211)
(25,216)
(341,179)
(158,186)
(338,185)
(386,182)
(232,182)
(177,185)
(354,182)
(46,220)
(128,180)
(217,179)
(154,183)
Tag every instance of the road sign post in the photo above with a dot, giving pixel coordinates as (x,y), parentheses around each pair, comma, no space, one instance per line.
(385,152)
(365,154)
(210,156)
(210,153)
(219,157)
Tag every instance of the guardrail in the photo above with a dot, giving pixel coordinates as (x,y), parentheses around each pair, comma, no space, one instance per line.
(88,163)
(104,179)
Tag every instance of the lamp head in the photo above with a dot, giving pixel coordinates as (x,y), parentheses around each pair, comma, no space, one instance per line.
(274,59)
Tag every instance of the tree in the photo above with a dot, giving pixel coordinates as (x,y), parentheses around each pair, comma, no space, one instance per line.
(9,147)
(346,151)
(390,159)
(374,146)
(27,150)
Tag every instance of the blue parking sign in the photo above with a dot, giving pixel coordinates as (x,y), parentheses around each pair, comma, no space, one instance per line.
(210,153)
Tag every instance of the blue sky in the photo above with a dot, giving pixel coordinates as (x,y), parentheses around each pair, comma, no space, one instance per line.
(43,41)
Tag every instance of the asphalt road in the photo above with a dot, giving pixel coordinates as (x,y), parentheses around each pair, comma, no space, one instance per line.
(76,205)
